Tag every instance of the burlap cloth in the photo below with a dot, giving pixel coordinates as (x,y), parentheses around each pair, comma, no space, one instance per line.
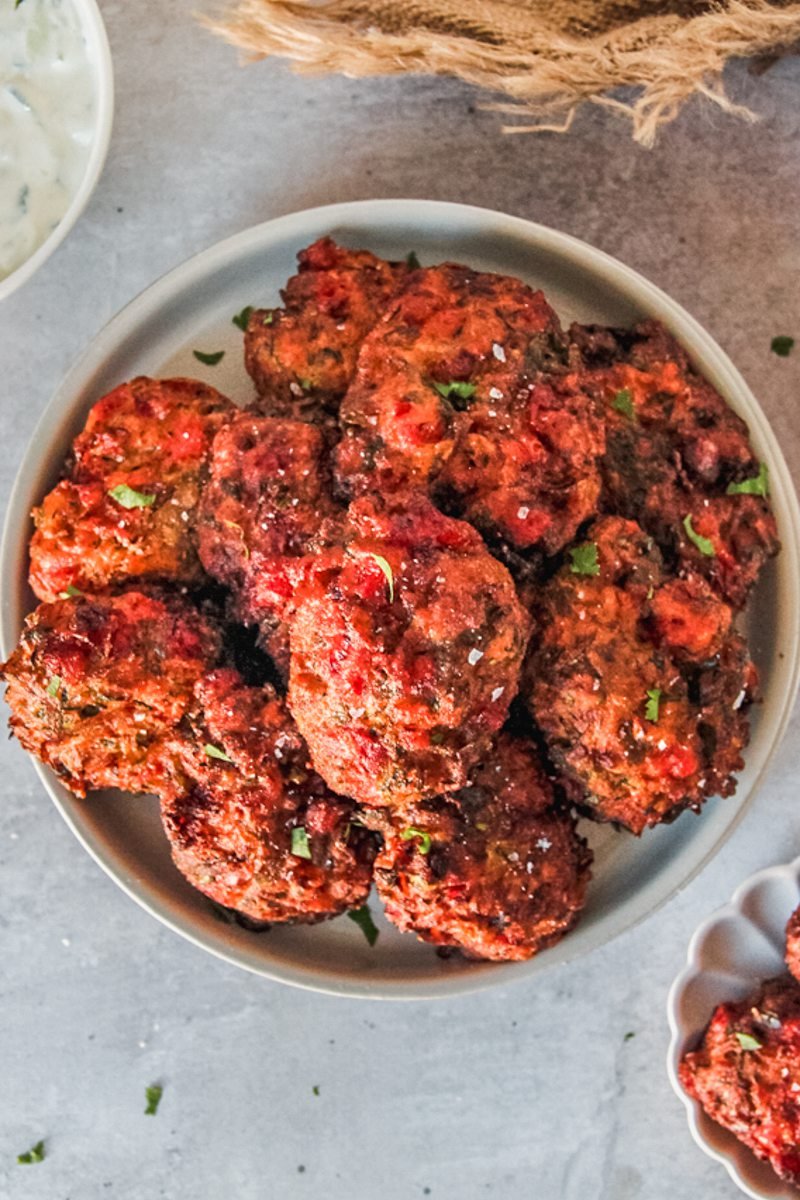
(543,57)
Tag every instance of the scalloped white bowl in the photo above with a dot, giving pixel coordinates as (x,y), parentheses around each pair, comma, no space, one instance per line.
(731,952)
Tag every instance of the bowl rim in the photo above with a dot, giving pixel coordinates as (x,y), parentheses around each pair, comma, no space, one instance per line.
(100,53)
(384,214)
(679,1036)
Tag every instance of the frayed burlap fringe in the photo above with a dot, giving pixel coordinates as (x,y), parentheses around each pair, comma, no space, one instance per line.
(544,56)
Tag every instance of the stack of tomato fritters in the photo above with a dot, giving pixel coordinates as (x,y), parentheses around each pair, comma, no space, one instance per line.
(492,568)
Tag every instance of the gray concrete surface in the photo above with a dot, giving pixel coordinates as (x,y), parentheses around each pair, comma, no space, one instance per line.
(528,1091)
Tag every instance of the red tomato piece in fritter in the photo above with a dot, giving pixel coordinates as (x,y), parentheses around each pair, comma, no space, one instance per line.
(126,510)
(261,514)
(746,1073)
(494,869)
(639,733)
(302,357)
(250,824)
(689,620)
(678,459)
(405,653)
(451,338)
(97,684)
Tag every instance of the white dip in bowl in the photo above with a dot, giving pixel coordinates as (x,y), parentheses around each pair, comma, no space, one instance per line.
(55,121)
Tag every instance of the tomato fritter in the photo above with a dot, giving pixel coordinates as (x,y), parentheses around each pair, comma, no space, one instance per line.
(639,732)
(250,824)
(525,466)
(493,869)
(97,684)
(302,357)
(746,1073)
(406,646)
(793,944)
(452,338)
(678,459)
(125,511)
(261,513)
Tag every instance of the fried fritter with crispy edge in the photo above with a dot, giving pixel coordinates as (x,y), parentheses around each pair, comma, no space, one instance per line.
(125,511)
(98,684)
(494,869)
(249,822)
(406,646)
(302,357)
(639,732)
(263,510)
(451,338)
(678,459)
(746,1073)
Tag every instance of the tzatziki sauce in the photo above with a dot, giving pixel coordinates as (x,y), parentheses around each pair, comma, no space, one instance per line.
(47,121)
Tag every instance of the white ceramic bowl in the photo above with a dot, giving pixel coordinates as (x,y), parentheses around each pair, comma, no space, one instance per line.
(191,308)
(740,945)
(99,54)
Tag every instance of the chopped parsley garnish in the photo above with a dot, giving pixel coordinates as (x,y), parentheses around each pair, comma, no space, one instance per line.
(214,752)
(757,486)
(36,1153)
(315,1089)
(54,686)
(306,384)
(653,702)
(782,345)
(128,497)
(463,391)
(153,1096)
(70,592)
(630,1034)
(623,403)
(747,1041)
(269,317)
(412,262)
(300,844)
(242,319)
(704,544)
(211,359)
(420,835)
(584,559)
(16,5)
(363,919)
(387,571)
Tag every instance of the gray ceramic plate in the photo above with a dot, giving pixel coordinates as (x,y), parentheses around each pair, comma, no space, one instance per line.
(192,308)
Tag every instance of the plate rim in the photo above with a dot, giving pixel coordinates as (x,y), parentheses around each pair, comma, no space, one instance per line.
(371,215)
